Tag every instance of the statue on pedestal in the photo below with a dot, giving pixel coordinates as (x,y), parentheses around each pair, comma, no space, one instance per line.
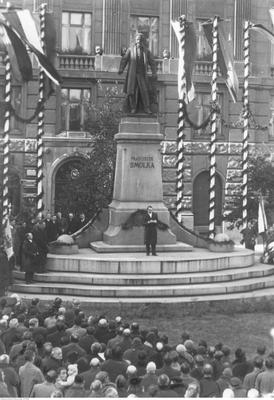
(139,87)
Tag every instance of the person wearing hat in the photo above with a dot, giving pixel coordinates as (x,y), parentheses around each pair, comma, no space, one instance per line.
(90,374)
(77,329)
(208,386)
(265,380)
(126,341)
(150,378)
(11,377)
(115,365)
(12,334)
(88,339)
(29,374)
(77,389)
(167,368)
(250,378)
(30,255)
(57,334)
(45,389)
(241,366)
(224,381)
(101,332)
(164,388)
(217,364)
(187,379)
(237,387)
(198,371)
(117,339)
(121,384)
(135,387)
(103,377)
(55,360)
(131,354)
(73,347)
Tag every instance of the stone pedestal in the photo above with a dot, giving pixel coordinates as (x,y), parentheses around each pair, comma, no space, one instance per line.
(138,181)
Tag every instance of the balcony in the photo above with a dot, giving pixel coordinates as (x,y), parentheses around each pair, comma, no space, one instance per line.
(76,62)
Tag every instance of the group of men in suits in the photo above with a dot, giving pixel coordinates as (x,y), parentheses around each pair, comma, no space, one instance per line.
(57,225)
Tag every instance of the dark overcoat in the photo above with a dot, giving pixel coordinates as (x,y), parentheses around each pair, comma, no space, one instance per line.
(130,59)
(29,256)
(151,228)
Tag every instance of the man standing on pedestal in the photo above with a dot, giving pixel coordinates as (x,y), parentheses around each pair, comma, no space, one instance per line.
(151,221)
(137,85)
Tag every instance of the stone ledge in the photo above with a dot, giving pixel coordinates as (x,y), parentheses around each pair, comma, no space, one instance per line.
(102,247)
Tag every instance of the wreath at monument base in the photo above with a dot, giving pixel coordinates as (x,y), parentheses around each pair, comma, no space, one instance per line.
(138,219)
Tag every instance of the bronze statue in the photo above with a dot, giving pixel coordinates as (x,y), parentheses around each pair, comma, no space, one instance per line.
(139,87)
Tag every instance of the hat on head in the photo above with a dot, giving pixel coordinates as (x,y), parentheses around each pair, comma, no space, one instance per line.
(4,359)
(159,346)
(228,393)
(13,323)
(227,372)
(103,323)
(235,382)
(131,370)
(5,317)
(180,348)
(189,344)
(126,332)
(118,319)
(151,367)
(163,380)
(252,393)
(94,362)
(33,322)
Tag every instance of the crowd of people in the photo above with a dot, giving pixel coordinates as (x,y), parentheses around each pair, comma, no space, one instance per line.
(57,350)
(30,243)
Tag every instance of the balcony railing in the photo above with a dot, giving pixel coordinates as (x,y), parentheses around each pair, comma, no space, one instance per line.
(78,62)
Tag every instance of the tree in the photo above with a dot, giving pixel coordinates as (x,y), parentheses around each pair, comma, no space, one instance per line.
(92,186)
(260,181)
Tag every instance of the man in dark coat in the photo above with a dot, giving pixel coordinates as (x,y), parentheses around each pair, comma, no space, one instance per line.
(138,58)
(29,257)
(4,271)
(249,236)
(72,225)
(150,222)
(40,238)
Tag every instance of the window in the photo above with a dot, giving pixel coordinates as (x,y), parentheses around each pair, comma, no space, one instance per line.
(16,100)
(199,110)
(149,26)
(75,105)
(204,52)
(76,33)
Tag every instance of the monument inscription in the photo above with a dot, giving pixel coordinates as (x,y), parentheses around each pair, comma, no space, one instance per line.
(141,162)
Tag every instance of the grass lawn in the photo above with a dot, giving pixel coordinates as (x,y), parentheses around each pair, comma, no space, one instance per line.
(243,324)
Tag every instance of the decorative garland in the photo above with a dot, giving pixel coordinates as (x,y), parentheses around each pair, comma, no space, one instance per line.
(214,108)
(137,219)
(39,107)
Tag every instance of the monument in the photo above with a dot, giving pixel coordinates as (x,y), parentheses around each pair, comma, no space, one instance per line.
(138,175)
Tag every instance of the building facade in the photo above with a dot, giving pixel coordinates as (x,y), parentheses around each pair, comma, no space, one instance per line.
(91,36)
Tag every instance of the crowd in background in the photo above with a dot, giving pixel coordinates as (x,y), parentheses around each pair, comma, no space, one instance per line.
(57,350)
(31,240)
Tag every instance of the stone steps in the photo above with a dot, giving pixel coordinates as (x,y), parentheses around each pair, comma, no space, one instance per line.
(121,292)
(255,271)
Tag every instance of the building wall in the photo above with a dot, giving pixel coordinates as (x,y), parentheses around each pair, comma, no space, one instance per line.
(110,30)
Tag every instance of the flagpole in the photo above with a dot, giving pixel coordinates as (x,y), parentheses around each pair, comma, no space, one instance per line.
(181,122)
(6,140)
(41,118)
(245,123)
(212,168)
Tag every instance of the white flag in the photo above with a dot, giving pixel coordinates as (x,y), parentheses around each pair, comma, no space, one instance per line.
(262,222)
(8,239)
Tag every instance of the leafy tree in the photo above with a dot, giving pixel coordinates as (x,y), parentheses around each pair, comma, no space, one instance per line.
(93,188)
(260,181)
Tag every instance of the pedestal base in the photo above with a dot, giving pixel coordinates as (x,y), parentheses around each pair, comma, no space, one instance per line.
(138,182)
(102,247)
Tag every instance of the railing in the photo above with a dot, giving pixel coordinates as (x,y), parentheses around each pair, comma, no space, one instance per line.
(78,62)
